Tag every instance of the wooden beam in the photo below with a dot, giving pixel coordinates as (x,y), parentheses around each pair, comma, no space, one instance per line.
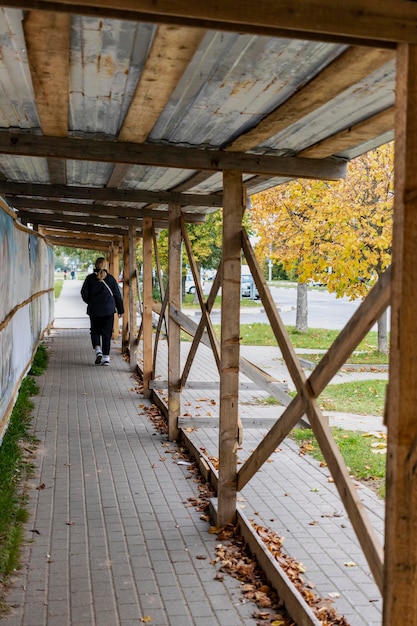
(352,334)
(20,144)
(46,31)
(342,74)
(85,244)
(125,294)
(147,306)
(401,505)
(80,227)
(376,22)
(360,133)
(200,328)
(132,281)
(59,207)
(114,259)
(229,347)
(174,330)
(72,221)
(104,194)
(172,49)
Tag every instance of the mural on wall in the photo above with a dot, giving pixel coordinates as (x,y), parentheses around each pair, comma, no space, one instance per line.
(26,263)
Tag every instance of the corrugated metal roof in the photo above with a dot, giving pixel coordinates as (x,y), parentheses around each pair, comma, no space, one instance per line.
(175,86)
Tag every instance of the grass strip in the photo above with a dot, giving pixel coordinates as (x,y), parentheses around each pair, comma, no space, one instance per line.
(16,467)
(364,397)
(360,358)
(363,453)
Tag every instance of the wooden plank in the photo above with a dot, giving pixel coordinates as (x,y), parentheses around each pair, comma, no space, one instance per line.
(126,287)
(170,54)
(113,195)
(147,305)
(74,227)
(355,330)
(44,31)
(20,144)
(400,598)
(200,328)
(340,75)
(174,330)
(114,270)
(85,244)
(376,22)
(213,422)
(38,217)
(294,602)
(199,290)
(210,384)
(278,328)
(262,379)
(132,298)
(374,126)
(230,346)
(348,493)
(164,297)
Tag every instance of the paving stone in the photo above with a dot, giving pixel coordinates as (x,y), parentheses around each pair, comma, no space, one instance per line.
(123,557)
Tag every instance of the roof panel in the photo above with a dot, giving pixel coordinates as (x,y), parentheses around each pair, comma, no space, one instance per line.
(230,89)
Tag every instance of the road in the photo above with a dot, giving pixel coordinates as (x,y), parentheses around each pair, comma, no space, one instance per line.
(324,309)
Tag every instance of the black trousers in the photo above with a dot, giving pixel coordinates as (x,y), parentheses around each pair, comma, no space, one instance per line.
(101,329)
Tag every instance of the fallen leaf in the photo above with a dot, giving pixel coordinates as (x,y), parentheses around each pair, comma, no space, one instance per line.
(146,619)
(350,564)
(41,486)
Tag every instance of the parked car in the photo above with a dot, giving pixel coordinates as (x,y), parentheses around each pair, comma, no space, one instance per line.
(248,288)
(189,284)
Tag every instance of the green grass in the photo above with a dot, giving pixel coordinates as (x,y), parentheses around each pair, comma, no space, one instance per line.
(258,334)
(372,357)
(40,362)
(361,397)
(58,283)
(365,397)
(358,451)
(16,468)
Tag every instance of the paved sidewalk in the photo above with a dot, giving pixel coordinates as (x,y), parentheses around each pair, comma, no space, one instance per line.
(111,540)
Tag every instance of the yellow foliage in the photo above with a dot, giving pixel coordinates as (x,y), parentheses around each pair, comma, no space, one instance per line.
(337,232)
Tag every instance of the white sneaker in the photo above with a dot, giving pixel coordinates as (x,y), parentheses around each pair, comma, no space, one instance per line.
(106,360)
(99,356)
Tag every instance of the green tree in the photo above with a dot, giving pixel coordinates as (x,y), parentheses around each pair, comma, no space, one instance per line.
(205,239)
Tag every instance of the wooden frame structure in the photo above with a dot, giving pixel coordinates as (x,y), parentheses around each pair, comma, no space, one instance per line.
(376,31)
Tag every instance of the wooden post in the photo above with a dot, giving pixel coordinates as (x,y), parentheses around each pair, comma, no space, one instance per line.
(229,367)
(114,269)
(400,574)
(174,331)
(133,324)
(126,287)
(147,305)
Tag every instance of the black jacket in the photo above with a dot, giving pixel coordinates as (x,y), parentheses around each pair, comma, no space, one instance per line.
(100,301)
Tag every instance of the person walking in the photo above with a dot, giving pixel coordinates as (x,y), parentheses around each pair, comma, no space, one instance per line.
(101,293)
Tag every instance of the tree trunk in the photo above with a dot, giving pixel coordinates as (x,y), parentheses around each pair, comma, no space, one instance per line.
(383,333)
(302,308)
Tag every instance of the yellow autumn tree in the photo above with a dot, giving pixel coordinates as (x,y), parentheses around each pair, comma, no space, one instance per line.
(339,233)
